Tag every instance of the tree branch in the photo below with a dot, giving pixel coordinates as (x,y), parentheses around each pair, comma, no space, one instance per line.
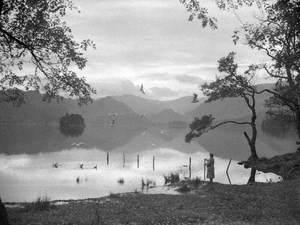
(273,75)
(285,100)
(228,122)
(247,137)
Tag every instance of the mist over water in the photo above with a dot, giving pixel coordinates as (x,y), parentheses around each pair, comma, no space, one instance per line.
(25,177)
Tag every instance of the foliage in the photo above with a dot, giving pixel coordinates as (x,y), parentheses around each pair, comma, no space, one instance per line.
(232,84)
(199,126)
(173,178)
(34,37)
(197,9)
(72,125)
(277,34)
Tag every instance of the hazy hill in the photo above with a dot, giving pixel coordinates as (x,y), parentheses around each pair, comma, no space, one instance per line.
(166,116)
(150,106)
(33,126)
(34,110)
(228,108)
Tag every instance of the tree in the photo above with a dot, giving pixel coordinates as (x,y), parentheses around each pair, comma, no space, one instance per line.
(278,35)
(231,85)
(71,125)
(199,11)
(33,35)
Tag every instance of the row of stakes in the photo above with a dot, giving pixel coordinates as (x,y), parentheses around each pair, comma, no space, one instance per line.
(153,162)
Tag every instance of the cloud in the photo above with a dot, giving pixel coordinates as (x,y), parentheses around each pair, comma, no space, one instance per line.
(190,79)
(152,42)
(115,87)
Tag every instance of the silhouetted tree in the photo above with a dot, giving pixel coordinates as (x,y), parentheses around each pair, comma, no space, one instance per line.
(33,35)
(231,85)
(72,125)
(278,35)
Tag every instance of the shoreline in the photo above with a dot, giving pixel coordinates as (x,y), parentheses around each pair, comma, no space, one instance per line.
(257,204)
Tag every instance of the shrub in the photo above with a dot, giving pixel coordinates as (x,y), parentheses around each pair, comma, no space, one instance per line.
(41,204)
(173,178)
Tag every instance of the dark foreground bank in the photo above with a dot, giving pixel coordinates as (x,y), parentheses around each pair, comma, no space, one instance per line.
(273,203)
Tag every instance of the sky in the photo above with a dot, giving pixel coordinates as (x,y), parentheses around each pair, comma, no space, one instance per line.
(151,42)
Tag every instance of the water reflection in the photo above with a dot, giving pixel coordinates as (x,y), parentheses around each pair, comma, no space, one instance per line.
(26,177)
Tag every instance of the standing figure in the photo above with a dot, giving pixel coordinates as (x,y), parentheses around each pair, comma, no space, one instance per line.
(210,164)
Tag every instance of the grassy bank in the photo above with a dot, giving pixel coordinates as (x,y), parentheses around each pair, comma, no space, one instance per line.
(276,203)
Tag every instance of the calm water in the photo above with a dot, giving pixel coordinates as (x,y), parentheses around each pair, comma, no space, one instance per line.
(25,177)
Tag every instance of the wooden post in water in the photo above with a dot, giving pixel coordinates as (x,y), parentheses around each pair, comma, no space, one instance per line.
(190,167)
(153,163)
(204,167)
(138,161)
(123,159)
(227,171)
(107,158)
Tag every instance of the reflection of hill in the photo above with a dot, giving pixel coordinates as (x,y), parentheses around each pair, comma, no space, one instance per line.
(19,139)
(154,138)
(166,116)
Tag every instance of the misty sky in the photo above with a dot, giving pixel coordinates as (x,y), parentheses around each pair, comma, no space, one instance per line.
(152,42)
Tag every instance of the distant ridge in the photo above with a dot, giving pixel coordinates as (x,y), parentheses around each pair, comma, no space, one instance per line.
(149,106)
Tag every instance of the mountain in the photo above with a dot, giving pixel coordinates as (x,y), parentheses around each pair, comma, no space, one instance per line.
(36,110)
(34,126)
(149,106)
(166,116)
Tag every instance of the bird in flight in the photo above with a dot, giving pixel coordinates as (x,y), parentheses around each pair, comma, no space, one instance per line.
(77,144)
(142,89)
(195,98)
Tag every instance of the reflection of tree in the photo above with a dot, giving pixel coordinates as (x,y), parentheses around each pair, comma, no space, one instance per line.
(276,127)
(71,125)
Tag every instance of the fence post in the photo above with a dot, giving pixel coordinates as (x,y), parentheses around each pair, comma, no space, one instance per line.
(153,163)
(227,171)
(204,168)
(107,158)
(190,167)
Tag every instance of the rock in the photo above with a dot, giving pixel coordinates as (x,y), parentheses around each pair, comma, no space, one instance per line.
(287,166)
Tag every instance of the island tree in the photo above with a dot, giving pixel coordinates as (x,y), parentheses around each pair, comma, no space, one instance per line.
(38,50)
(71,125)
(231,85)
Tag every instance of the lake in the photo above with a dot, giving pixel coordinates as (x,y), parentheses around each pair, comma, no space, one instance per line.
(27,176)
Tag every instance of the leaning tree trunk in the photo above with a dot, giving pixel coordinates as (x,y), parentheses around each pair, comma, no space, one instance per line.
(251,179)
(253,156)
